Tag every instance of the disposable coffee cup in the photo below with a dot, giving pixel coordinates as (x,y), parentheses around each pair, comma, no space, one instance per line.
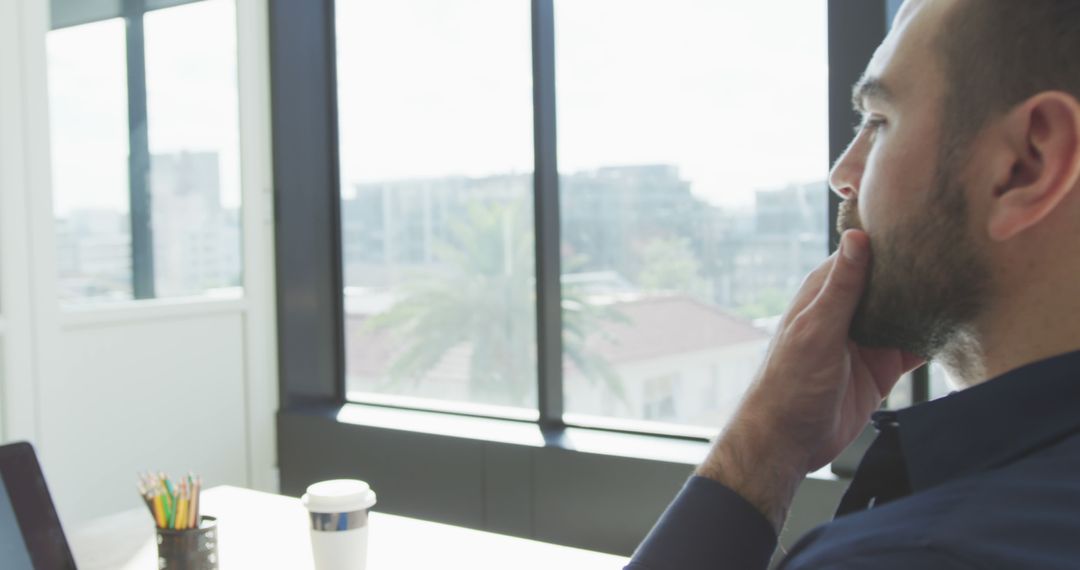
(339,523)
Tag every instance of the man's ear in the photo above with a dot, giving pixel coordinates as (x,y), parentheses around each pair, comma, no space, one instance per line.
(1044,133)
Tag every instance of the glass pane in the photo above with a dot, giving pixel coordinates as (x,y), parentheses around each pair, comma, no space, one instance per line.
(900,397)
(194,148)
(693,154)
(941,384)
(435,110)
(88,114)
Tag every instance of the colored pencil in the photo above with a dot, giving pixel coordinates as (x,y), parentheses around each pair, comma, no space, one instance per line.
(159,510)
(197,501)
(181,512)
(172,505)
(193,520)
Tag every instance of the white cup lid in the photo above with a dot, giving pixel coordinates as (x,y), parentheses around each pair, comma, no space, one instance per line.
(338,496)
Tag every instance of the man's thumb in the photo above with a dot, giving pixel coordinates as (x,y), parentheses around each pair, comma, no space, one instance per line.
(844,286)
(855,247)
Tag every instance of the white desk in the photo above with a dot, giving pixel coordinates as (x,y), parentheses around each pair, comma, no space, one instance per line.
(260,530)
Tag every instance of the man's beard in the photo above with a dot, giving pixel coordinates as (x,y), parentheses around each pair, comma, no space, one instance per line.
(928,281)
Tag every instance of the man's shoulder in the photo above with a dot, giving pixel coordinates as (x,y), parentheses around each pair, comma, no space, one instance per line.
(907,525)
(1012,515)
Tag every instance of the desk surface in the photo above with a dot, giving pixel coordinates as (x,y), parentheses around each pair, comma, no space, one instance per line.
(260,530)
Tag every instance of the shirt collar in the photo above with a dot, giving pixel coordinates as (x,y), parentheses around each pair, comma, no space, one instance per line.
(993,423)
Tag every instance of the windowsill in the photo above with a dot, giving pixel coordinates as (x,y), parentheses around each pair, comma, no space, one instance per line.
(90,314)
(584,440)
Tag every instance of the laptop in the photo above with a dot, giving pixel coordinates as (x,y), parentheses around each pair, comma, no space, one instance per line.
(30,533)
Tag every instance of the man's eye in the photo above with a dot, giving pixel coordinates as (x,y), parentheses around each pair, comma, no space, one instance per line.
(871,124)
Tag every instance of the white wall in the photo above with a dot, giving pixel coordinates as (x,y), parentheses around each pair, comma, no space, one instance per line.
(162,393)
(17,391)
(102,392)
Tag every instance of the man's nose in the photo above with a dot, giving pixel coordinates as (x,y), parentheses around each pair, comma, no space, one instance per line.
(846,175)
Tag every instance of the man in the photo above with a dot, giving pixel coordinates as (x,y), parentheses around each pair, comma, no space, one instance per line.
(962,244)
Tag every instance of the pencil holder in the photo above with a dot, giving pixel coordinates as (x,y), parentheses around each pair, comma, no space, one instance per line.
(189,549)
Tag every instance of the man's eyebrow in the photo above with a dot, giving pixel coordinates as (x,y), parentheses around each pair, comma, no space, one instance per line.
(869,88)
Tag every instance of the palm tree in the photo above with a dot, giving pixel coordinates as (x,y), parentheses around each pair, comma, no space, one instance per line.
(484,298)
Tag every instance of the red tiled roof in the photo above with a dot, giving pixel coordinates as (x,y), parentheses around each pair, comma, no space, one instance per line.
(666,326)
(655,327)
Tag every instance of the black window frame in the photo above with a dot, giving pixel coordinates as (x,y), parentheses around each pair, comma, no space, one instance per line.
(314,441)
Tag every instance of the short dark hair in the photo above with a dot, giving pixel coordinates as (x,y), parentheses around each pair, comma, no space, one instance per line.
(999,53)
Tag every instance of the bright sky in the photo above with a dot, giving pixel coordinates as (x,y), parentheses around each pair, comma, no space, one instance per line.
(191,98)
(735,94)
(88,115)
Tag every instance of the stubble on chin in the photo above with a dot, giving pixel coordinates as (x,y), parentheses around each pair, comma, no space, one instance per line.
(879,320)
(863,330)
(847,216)
(927,281)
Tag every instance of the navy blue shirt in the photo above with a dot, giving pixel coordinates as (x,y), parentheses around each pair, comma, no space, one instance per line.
(988,477)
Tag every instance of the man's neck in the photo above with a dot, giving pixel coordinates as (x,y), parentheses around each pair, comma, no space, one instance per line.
(1038,322)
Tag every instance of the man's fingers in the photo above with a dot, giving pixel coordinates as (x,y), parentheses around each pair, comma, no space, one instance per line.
(886,365)
(843,287)
(809,289)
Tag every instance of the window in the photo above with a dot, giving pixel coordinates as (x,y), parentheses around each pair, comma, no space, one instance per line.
(88,106)
(146,178)
(524,464)
(194,148)
(435,110)
(659,397)
(690,210)
(902,394)
(941,383)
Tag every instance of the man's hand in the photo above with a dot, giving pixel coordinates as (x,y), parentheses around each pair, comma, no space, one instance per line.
(815,392)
